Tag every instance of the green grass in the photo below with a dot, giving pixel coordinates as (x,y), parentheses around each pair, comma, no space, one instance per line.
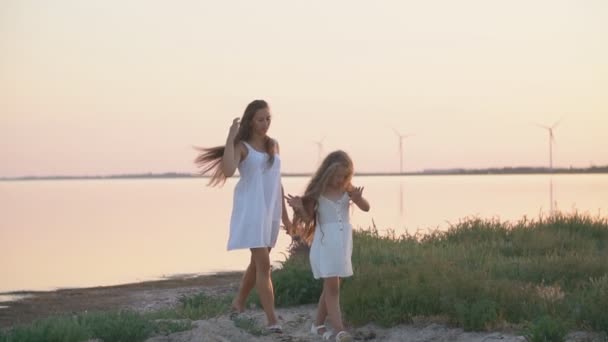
(481,274)
(119,326)
(114,326)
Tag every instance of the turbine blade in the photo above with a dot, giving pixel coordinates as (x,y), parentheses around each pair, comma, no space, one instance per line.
(541,126)
(557,122)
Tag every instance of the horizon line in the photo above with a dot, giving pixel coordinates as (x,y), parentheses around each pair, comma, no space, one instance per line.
(424,172)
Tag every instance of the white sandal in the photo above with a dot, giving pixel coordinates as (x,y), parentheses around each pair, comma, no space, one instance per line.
(274,329)
(343,336)
(314,329)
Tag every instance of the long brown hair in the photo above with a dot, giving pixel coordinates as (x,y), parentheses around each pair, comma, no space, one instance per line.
(209,159)
(316,187)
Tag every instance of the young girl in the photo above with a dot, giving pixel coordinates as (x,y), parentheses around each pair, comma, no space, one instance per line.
(258,199)
(322,215)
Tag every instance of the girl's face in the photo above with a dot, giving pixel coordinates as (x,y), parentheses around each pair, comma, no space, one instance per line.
(339,178)
(261,121)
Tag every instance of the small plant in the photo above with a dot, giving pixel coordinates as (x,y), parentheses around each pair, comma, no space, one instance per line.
(546,329)
(202,306)
(476,315)
(294,283)
(249,325)
(592,303)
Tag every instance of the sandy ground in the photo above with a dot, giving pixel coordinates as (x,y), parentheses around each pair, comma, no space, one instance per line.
(296,321)
(142,296)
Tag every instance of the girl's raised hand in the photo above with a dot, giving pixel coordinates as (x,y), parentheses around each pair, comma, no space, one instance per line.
(294,201)
(356,193)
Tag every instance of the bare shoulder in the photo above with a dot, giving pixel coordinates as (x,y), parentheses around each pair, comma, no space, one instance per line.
(240,146)
(275,145)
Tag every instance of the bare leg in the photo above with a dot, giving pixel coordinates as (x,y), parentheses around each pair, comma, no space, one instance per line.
(331,288)
(321,310)
(263,282)
(321,315)
(247,284)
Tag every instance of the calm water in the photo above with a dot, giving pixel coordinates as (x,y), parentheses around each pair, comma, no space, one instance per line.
(58,234)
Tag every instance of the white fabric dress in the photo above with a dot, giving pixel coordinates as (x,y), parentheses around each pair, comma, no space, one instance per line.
(332,244)
(257,203)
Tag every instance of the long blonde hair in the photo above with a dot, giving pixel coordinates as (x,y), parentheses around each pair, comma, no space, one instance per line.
(209,159)
(316,187)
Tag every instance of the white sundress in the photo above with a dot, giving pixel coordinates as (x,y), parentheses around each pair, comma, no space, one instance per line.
(332,244)
(257,202)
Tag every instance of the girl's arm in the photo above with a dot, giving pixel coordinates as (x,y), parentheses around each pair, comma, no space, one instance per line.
(356,195)
(232,153)
(284,214)
(362,203)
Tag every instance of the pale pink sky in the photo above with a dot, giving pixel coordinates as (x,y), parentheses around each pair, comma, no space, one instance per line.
(109,86)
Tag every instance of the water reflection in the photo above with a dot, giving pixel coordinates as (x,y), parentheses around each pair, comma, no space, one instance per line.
(552,203)
(6,298)
(10,297)
(401,214)
(415,197)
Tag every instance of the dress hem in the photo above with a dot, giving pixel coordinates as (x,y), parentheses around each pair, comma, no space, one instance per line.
(331,276)
(246,247)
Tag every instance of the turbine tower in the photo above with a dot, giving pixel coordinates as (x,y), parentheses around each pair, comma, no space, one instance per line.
(551,141)
(401,137)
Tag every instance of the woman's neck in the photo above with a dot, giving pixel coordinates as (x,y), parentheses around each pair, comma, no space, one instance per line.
(257,139)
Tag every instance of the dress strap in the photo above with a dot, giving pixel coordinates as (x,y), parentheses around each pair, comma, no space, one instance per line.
(247,144)
(251,147)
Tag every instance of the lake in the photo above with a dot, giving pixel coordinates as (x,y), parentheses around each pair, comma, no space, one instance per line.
(79,233)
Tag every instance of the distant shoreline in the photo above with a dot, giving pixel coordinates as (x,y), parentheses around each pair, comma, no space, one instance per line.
(430,172)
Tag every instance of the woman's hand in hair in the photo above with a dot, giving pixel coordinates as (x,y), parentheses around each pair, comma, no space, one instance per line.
(234,129)
(232,154)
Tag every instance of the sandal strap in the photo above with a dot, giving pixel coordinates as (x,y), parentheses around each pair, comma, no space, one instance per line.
(327,335)
(315,328)
(276,328)
(343,334)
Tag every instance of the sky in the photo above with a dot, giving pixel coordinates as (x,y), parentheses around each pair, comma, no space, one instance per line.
(129,86)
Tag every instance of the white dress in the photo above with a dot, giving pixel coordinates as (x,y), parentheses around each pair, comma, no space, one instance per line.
(332,244)
(257,203)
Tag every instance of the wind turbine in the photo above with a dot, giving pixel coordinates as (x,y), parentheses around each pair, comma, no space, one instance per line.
(401,137)
(551,140)
(319,149)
